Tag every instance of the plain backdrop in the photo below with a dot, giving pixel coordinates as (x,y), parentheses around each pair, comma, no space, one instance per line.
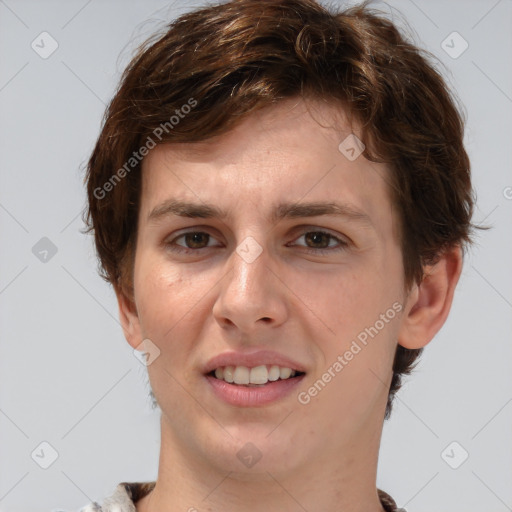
(69,380)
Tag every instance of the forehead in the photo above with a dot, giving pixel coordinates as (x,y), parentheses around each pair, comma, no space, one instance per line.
(289,152)
(285,127)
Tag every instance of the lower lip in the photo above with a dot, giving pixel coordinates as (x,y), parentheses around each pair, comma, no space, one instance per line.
(254,396)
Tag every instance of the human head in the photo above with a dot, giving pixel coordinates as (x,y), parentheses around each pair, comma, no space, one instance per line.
(215,67)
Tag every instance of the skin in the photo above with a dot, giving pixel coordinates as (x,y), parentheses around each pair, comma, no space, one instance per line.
(308,306)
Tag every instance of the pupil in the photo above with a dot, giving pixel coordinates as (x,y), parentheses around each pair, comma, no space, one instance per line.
(317,238)
(195,238)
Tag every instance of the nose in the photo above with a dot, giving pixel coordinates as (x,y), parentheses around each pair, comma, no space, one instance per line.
(252,296)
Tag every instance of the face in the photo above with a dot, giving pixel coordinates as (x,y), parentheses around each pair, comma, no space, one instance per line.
(263,276)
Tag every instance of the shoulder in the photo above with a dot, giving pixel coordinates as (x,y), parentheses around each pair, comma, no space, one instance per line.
(123,499)
(387,502)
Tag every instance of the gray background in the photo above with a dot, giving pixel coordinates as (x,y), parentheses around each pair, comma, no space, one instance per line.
(69,378)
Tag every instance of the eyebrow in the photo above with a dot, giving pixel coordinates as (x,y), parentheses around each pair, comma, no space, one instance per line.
(283,211)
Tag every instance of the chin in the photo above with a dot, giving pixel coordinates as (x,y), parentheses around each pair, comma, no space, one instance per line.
(256,449)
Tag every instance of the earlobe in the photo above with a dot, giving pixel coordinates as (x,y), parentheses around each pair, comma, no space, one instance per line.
(129,319)
(429,302)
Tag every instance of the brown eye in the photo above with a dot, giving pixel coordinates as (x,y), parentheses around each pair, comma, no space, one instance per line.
(196,240)
(193,241)
(322,243)
(318,238)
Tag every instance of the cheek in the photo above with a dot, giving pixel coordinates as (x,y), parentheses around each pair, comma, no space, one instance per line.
(346,300)
(162,296)
(167,303)
(360,309)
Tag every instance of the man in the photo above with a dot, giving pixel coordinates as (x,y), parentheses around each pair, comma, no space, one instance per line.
(280,197)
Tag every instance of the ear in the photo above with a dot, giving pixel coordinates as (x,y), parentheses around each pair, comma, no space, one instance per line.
(428,304)
(129,319)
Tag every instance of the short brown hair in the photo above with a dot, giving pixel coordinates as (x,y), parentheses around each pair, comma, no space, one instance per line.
(226,61)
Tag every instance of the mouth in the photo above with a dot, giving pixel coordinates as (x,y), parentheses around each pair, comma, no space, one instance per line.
(258,376)
(257,386)
(252,379)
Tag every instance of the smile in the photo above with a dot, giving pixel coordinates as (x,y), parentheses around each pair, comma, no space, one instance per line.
(252,378)
(257,376)
(262,385)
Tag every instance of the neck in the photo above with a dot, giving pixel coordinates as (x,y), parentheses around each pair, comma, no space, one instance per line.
(342,479)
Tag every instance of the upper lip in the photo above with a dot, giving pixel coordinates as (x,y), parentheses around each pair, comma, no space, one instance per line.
(252,359)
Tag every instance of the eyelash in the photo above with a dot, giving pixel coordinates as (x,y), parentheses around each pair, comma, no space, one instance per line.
(310,250)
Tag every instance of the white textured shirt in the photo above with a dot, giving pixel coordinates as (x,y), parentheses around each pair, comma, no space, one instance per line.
(127,494)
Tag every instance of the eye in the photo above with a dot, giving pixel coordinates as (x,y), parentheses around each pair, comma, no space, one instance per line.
(321,242)
(318,242)
(193,240)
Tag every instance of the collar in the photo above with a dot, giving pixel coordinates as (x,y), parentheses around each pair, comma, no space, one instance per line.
(127,494)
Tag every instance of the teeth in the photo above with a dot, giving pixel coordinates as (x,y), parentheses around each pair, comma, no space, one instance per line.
(274,373)
(284,373)
(241,375)
(258,375)
(228,373)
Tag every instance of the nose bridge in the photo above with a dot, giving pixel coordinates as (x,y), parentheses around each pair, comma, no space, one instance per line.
(250,257)
(249,268)
(249,292)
